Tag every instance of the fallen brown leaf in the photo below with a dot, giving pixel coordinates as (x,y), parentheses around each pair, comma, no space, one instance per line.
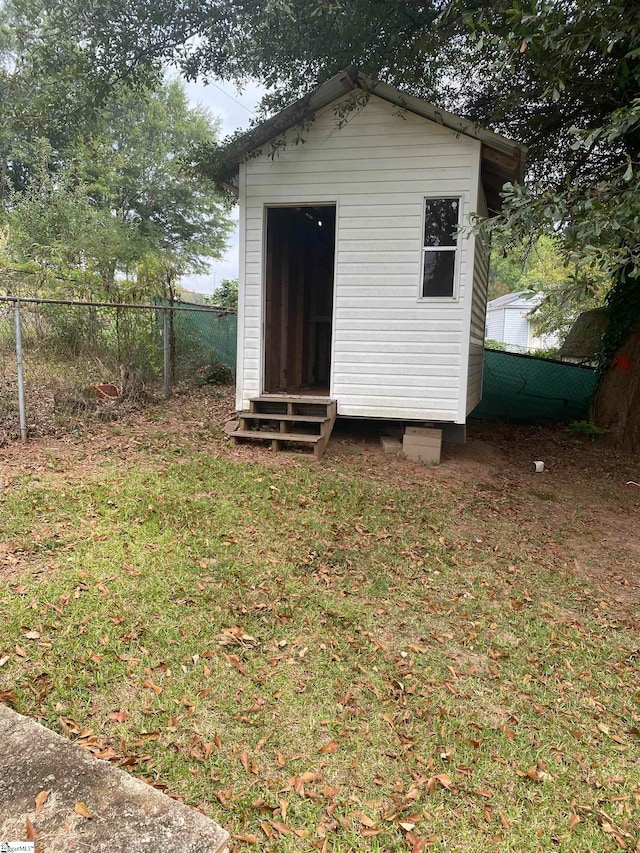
(235,662)
(40,800)
(118,716)
(284,805)
(152,685)
(282,828)
(31,832)
(81,809)
(8,697)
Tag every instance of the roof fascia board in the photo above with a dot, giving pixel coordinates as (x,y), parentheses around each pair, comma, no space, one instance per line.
(453,122)
(348,80)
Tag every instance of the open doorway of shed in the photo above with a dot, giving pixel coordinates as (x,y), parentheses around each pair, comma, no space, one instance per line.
(300,260)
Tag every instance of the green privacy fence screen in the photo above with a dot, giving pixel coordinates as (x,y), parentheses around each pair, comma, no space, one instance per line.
(203,334)
(526,389)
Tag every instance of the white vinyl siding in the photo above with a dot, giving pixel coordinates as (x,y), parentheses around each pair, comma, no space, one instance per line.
(478,313)
(393,355)
(495,324)
(516,327)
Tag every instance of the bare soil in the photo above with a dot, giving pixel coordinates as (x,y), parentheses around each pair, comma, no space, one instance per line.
(583,508)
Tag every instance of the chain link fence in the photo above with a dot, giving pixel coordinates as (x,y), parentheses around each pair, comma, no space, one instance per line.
(63,363)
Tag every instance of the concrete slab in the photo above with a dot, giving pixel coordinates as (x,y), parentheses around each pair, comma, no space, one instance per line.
(391,445)
(421,444)
(126,814)
(422,440)
(424,455)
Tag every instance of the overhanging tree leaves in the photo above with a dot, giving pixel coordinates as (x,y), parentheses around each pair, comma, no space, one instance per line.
(561,75)
(52,83)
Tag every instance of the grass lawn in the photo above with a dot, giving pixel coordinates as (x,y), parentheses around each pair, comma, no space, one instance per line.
(351,655)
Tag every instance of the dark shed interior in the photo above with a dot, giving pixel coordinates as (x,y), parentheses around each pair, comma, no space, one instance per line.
(299,298)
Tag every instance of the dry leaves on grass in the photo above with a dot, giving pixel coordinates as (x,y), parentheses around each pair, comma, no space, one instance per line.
(236,636)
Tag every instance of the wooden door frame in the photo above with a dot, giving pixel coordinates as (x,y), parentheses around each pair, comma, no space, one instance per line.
(266,206)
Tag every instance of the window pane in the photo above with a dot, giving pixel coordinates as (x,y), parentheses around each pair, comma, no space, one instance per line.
(437,279)
(441,221)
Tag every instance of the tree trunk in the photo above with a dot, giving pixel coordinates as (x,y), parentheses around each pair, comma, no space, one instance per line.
(617,402)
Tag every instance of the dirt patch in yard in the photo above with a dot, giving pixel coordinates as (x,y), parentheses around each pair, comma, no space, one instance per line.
(580,508)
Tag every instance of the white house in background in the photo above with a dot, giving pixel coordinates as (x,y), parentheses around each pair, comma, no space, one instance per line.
(355,284)
(508,321)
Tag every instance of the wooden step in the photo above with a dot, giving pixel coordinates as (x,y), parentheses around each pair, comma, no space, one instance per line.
(293,406)
(292,398)
(271,435)
(292,413)
(278,439)
(273,416)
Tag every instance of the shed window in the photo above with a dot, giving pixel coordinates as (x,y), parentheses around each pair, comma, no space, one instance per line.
(440,244)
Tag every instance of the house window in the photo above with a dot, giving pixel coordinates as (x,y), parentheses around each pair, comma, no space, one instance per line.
(441,217)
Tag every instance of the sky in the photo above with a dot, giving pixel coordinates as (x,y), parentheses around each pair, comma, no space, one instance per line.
(234,110)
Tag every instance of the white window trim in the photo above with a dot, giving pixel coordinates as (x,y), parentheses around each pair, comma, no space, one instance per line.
(424,249)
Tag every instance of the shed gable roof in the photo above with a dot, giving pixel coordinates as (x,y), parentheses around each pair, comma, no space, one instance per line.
(502,159)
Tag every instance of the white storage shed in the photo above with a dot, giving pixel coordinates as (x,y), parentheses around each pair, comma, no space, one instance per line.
(356,284)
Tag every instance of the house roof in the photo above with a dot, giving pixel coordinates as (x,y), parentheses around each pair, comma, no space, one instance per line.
(502,159)
(528,299)
(584,340)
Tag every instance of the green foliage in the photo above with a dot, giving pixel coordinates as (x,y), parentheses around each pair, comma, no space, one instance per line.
(215,373)
(53,82)
(497,345)
(586,428)
(58,240)
(546,352)
(506,272)
(541,267)
(122,214)
(225,295)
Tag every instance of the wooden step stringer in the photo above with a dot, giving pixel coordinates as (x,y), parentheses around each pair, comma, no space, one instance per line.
(286,419)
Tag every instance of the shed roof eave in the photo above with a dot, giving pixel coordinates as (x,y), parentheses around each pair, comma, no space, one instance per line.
(493,141)
(506,158)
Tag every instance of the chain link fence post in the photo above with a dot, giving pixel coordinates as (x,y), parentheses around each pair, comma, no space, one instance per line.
(166,384)
(66,364)
(19,366)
